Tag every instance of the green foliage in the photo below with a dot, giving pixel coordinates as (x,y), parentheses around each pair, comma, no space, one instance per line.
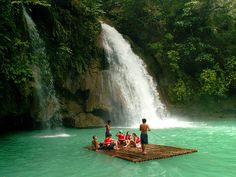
(75,32)
(194,41)
(13,49)
(64,51)
(157,46)
(230,70)
(173,57)
(213,83)
(19,75)
(180,91)
(90,8)
(69,29)
(15,72)
(44,3)
(169,37)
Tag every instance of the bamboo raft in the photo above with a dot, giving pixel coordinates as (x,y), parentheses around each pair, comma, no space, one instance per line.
(153,152)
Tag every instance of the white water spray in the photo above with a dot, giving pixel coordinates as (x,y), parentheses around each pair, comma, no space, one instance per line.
(130,79)
(61,135)
(46,101)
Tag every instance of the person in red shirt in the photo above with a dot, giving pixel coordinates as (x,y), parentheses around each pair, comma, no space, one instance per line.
(110,143)
(127,136)
(121,137)
(134,142)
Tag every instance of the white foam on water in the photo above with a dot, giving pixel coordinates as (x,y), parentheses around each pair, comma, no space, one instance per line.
(168,122)
(172,122)
(61,135)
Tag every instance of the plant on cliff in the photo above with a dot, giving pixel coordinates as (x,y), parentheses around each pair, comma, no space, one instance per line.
(69,29)
(75,29)
(192,40)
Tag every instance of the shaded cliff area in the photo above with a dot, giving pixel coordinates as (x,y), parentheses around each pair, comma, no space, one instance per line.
(70,30)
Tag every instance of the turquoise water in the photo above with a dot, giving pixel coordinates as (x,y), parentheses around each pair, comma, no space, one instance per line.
(60,153)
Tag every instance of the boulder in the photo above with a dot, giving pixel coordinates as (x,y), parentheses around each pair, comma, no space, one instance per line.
(87,101)
(99,97)
(70,106)
(84,120)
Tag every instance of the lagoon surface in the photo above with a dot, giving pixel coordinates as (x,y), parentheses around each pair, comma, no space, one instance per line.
(60,153)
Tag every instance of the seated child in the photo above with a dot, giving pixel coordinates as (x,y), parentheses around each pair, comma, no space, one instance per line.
(95,143)
(127,136)
(121,137)
(110,143)
(135,141)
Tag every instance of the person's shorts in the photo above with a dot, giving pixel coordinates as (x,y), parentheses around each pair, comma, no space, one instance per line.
(101,146)
(111,146)
(144,139)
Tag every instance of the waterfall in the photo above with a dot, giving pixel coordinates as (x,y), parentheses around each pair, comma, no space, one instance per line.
(130,84)
(46,111)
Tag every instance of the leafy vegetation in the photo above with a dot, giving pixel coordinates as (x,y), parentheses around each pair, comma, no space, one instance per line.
(191,44)
(192,40)
(74,28)
(70,31)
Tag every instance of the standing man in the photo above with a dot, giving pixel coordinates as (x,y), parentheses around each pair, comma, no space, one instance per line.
(108,128)
(144,136)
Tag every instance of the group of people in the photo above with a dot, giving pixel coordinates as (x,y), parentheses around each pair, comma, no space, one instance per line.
(124,140)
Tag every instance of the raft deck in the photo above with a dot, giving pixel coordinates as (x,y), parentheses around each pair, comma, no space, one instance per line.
(153,152)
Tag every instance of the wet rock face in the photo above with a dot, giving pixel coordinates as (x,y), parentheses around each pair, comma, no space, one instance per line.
(84,120)
(99,92)
(89,104)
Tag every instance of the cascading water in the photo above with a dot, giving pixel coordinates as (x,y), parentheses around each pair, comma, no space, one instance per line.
(130,82)
(46,103)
